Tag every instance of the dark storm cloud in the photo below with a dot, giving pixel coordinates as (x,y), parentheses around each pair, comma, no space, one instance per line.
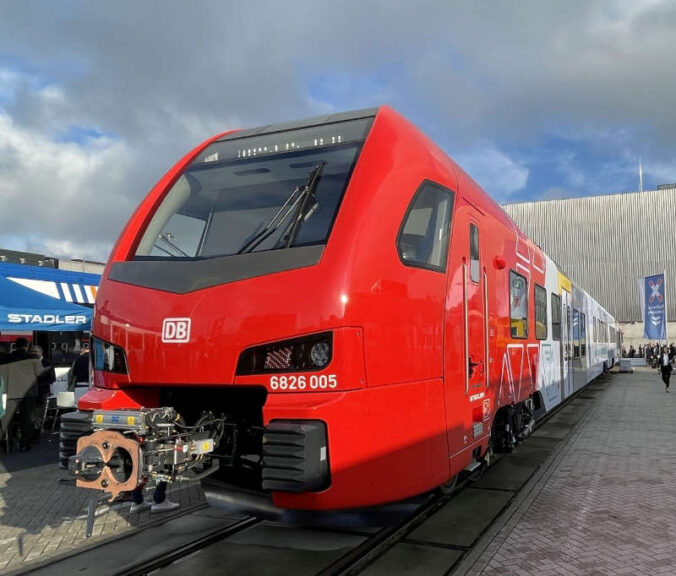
(147,81)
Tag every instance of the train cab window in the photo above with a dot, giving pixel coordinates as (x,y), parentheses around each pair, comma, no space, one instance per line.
(474,265)
(518,305)
(423,236)
(256,193)
(556,317)
(576,333)
(583,335)
(540,313)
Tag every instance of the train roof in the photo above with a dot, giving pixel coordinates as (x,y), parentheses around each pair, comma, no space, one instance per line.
(303,123)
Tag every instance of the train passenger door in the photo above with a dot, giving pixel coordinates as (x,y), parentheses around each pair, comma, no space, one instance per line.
(475,313)
(466,333)
(566,344)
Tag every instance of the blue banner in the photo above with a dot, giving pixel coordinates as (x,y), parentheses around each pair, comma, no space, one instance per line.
(655,309)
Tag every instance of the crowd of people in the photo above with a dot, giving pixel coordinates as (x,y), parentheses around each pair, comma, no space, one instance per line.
(650,352)
(655,356)
(26,377)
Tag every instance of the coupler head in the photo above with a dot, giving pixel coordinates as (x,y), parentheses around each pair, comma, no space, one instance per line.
(107,460)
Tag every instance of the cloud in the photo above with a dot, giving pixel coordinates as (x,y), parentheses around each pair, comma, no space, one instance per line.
(495,172)
(661,173)
(59,196)
(107,101)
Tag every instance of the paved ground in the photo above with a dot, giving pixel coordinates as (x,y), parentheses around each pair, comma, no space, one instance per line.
(607,505)
(603,503)
(42,517)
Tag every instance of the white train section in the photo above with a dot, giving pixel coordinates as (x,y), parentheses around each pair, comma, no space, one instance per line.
(582,339)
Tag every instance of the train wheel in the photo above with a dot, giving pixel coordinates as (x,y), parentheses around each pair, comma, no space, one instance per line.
(486,461)
(448,487)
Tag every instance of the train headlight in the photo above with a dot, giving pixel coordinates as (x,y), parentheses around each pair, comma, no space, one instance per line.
(108,357)
(320,354)
(302,354)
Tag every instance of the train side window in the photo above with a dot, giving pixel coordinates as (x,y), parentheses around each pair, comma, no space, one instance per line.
(556,317)
(518,305)
(576,333)
(583,334)
(540,312)
(474,265)
(424,233)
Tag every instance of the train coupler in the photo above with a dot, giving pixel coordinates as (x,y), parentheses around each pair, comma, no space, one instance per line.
(129,447)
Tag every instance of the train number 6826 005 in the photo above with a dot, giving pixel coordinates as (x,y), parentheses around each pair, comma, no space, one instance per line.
(295,383)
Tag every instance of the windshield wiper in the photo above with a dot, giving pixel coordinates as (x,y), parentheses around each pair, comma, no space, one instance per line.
(299,194)
(307,193)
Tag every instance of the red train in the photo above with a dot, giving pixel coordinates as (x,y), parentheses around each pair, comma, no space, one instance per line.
(321,310)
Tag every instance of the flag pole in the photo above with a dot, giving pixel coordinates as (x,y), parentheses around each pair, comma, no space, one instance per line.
(666,323)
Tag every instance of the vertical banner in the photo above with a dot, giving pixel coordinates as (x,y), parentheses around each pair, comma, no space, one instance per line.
(653,305)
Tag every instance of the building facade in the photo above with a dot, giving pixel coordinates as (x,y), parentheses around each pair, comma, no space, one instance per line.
(33,259)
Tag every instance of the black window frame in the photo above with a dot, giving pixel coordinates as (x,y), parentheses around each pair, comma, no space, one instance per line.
(415,263)
(556,326)
(583,334)
(511,319)
(543,306)
(474,228)
(576,334)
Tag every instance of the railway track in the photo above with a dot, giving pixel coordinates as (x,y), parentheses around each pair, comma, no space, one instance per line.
(436,528)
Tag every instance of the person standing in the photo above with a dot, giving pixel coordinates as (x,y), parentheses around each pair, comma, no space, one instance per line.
(45,381)
(21,373)
(48,376)
(79,371)
(665,367)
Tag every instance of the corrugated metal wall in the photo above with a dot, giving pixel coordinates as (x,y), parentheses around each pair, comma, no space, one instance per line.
(605,243)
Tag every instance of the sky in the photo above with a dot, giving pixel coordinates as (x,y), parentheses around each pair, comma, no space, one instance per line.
(535,99)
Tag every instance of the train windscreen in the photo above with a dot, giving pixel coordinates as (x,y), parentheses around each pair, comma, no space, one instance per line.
(256,193)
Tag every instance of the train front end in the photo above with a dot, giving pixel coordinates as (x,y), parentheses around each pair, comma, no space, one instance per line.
(190,336)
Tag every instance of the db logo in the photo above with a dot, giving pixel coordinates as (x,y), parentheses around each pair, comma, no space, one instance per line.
(176,330)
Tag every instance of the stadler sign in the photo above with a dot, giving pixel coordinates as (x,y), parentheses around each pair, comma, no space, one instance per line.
(13,318)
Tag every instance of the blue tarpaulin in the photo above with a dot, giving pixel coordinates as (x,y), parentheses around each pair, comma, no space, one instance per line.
(24,309)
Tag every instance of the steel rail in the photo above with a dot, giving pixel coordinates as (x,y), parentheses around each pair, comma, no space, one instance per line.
(148,566)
